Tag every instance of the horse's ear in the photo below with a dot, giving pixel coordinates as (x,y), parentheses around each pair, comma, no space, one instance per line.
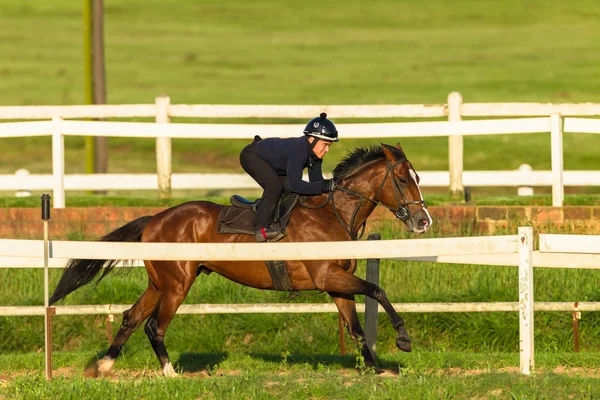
(399,147)
(389,153)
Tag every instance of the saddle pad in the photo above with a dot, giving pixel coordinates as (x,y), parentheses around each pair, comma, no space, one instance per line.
(236,220)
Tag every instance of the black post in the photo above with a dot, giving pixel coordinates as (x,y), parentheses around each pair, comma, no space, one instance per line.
(45,207)
(371,306)
(48,311)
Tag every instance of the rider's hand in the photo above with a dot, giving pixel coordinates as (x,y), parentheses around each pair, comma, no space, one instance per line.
(328,185)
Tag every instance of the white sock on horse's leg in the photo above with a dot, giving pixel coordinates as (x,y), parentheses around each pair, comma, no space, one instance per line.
(169,371)
(105,364)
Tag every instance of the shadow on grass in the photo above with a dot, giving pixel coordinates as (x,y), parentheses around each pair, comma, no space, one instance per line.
(196,362)
(187,362)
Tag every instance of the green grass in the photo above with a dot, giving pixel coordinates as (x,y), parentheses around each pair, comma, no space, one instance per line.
(419,375)
(309,52)
(263,52)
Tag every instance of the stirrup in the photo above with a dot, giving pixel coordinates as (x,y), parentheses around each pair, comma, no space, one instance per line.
(268,235)
(277,238)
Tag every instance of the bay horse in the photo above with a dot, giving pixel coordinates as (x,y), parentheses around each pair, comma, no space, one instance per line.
(364,178)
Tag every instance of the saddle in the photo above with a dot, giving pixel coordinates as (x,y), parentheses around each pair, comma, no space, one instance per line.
(238,217)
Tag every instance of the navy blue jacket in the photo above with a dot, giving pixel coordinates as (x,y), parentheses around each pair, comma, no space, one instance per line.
(289,157)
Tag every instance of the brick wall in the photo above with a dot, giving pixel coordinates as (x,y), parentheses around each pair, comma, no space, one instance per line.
(93,222)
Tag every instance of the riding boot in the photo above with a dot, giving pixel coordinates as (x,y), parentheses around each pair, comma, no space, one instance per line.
(268,235)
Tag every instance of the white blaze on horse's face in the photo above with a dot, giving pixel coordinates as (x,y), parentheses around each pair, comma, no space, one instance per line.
(422,224)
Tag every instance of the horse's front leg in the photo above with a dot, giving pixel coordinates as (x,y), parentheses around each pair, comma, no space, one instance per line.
(333,278)
(402,341)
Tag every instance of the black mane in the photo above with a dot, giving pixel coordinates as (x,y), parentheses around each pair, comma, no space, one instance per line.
(361,156)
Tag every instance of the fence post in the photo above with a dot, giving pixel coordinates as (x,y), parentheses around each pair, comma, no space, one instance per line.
(48,311)
(163,149)
(558,191)
(525,171)
(22,193)
(526,300)
(455,147)
(58,162)
(371,305)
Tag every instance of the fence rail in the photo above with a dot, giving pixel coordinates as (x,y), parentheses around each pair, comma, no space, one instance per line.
(266,251)
(299,111)
(74,182)
(305,308)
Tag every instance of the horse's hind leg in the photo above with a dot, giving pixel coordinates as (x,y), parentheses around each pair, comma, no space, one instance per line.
(347,308)
(172,295)
(341,281)
(132,319)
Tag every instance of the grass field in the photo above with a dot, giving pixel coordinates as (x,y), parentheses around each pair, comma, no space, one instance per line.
(419,375)
(270,52)
(309,52)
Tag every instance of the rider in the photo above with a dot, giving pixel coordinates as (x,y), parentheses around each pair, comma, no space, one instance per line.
(266,160)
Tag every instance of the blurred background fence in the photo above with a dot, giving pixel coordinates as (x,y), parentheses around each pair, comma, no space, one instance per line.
(540,117)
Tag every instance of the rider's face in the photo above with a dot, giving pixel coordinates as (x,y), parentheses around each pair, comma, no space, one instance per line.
(321,148)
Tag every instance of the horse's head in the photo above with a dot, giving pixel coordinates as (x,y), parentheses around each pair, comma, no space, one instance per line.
(399,191)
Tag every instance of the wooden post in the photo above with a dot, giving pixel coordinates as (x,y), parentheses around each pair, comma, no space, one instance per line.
(341,331)
(48,311)
(576,318)
(371,305)
(99,84)
(88,78)
(163,149)
(455,148)
(558,190)
(58,162)
(526,300)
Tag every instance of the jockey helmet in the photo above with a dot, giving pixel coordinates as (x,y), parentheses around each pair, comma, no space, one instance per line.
(322,128)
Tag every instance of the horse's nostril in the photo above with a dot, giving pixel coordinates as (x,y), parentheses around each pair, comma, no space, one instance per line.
(423,223)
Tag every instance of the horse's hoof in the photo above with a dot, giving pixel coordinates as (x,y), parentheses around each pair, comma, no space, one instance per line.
(404,345)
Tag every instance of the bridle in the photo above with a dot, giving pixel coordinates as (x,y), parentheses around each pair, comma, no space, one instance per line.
(401,211)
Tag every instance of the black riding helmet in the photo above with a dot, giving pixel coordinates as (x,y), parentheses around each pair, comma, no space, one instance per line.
(322,128)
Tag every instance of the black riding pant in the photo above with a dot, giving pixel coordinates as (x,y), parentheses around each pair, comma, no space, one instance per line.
(268,179)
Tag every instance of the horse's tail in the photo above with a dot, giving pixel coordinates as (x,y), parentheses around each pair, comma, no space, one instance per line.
(80,272)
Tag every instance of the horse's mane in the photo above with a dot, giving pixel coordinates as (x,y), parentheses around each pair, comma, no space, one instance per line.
(361,156)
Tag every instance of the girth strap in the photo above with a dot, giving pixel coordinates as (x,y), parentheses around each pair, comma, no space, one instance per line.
(279,275)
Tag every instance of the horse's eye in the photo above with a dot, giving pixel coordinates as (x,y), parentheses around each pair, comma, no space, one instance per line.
(403,181)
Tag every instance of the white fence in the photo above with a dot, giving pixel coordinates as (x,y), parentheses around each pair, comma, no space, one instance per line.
(162,110)
(561,251)
(60,128)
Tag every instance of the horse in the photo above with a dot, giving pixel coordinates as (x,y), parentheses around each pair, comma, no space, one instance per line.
(365,178)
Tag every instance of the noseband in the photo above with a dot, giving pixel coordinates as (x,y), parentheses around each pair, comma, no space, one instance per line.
(401,211)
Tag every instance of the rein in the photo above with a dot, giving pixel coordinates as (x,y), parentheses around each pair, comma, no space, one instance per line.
(400,212)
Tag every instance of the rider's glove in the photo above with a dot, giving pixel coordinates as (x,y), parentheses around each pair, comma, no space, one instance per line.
(328,185)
